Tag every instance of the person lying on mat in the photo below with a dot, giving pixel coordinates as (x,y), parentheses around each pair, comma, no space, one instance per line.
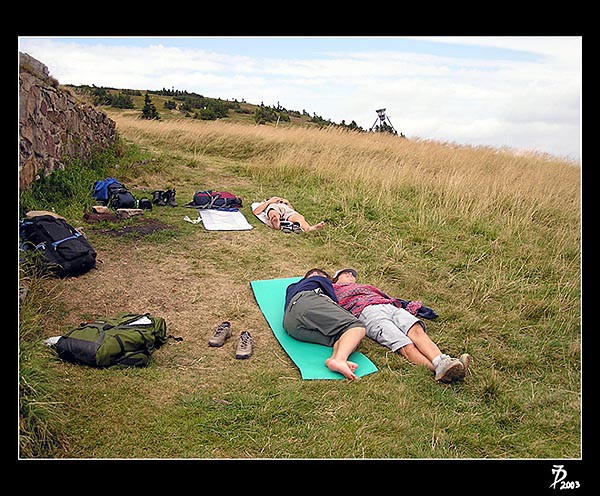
(278,209)
(312,314)
(391,325)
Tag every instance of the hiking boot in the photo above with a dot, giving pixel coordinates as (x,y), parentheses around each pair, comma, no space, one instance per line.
(465,359)
(222,333)
(244,348)
(169,198)
(449,369)
(158,198)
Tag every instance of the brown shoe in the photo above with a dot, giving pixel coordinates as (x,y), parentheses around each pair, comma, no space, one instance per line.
(244,348)
(222,333)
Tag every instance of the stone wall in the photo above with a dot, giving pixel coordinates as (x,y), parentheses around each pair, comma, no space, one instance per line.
(53,125)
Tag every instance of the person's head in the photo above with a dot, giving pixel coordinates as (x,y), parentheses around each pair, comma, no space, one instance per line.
(345,276)
(316,272)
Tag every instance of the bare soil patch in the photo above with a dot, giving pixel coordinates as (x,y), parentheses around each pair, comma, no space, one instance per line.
(143,227)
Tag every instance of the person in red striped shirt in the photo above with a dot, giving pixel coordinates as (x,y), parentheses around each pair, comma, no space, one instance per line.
(396,324)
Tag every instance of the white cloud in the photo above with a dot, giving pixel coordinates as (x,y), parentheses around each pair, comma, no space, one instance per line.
(527,101)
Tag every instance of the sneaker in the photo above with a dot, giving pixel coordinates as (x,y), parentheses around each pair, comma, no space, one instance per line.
(465,359)
(222,333)
(296,228)
(244,348)
(449,369)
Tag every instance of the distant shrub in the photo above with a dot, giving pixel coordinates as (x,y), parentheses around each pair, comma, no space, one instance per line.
(149,110)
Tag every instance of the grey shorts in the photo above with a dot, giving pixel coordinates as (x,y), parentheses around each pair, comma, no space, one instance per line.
(388,325)
(316,318)
(284,211)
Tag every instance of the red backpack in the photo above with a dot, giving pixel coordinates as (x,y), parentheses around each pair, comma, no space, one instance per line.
(221,200)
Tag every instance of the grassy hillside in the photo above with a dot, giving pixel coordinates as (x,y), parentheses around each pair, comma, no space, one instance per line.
(175,104)
(488,239)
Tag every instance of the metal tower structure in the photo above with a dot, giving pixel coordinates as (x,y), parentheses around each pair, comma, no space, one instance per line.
(382,118)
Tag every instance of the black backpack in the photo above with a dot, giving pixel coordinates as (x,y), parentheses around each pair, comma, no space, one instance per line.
(64,250)
(119,196)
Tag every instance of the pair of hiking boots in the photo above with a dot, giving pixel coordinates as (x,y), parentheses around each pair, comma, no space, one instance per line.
(223,332)
(162,198)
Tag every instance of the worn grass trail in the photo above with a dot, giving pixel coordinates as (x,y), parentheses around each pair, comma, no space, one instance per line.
(489,240)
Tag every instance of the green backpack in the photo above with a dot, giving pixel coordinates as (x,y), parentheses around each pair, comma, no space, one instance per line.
(127,340)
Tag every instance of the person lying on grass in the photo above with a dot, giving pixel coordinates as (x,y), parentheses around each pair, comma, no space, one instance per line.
(389,324)
(278,209)
(313,315)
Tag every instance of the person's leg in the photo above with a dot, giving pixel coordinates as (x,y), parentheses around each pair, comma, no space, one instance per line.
(343,347)
(405,334)
(299,218)
(274,219)
(318,319)
(413,355)
(385,327)
(445,367)
(423,342)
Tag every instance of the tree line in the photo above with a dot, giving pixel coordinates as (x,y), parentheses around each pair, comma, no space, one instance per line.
(200,107)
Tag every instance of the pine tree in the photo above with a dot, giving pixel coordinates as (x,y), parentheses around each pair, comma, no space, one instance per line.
(149,111)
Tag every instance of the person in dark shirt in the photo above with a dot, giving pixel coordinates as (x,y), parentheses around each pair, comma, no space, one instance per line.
(312,314)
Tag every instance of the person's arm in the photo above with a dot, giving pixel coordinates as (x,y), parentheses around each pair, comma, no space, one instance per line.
(327,287)
(260,208)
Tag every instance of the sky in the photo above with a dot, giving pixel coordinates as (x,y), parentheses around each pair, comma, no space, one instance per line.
(521,92)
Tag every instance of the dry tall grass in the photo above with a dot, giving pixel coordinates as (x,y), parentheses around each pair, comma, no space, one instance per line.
(518,214)
(471,182)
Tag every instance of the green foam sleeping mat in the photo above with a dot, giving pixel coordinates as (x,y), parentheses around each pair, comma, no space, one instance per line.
(308,357)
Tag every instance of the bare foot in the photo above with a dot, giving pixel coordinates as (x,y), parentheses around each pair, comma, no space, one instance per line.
(342,367)
(320,225)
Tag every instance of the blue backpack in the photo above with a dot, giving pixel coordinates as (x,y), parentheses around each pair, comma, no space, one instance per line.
(111,192)
(101,188)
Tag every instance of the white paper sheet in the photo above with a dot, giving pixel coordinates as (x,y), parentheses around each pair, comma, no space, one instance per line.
(220,220)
